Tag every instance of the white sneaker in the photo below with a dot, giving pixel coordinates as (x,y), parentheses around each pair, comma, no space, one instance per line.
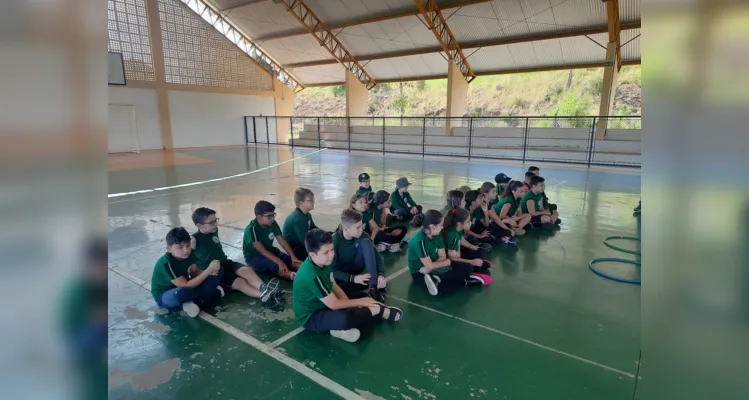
(394,248)
(221,290)
(191,309)
(349,335)
(381,247)
(406,238)
(431,285)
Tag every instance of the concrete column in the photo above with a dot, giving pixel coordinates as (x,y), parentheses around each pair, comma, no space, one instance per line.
(157,53)
(610,75)
(283,98)
(356,96)
(457,93)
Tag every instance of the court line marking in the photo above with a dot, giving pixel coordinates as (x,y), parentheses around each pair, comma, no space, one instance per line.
(397,274)
(286,337)
(268,350)
(313,375)
(511,336)
(557,185)
(211,180)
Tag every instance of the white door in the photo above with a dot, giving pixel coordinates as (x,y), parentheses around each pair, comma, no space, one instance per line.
(121,130)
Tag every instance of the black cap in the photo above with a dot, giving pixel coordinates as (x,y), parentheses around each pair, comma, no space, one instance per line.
(363,177)
(502,178)
(264,207)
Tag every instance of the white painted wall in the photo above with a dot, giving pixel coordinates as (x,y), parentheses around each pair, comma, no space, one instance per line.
(213,119)
(146,114)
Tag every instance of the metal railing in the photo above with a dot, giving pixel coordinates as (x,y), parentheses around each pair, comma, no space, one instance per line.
(590,140)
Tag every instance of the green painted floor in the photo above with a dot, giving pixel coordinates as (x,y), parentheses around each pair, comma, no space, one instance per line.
(546,328)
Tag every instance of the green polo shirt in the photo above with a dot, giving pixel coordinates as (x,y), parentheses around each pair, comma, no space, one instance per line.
(366,216)
(168,268)
(402,202)
(507,200)
(452,239)
(296,226)
(311,284)
(254,232)
(538,199)
(422,246)
(375,214)
(345,256)
(476,215)
(363,190)
(207,248)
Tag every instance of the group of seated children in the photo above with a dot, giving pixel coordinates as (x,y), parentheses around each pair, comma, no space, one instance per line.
(338,278)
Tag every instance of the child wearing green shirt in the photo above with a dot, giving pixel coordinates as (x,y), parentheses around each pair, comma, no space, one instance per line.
(177,281)
(548,206)
(207,247)
(299,222)
(257,244)
(456,222)
(403,205)
(507,210)
(364,185)
(320,305)
(429,265)
(532,203)
(385,239)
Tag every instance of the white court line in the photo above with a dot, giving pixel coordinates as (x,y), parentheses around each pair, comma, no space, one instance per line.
(397,274)
(511,336)
(557,185)
(211,180)
(286,337)
(313,375)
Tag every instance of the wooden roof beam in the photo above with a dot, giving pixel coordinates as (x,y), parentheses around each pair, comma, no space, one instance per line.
(470,45)
(614,29)
(369,20)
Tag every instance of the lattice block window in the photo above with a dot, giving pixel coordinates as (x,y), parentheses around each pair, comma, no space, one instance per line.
(128,34)
(196,54)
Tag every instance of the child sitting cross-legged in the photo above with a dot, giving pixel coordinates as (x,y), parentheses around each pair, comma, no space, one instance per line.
(392,239)
(479,233)
(533,203)
(428,262)
(176,282)
(403,205)
(508,208)
(356,266)
(364,185)
(455,199)
(257,244)
(548,206)
(320,305)
(458,248)
(207,248)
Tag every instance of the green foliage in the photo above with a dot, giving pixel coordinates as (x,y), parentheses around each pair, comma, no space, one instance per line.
(595,87)
(339,91)
(556,89)
(400,104)
(519,102)
(571,105)
(421,85)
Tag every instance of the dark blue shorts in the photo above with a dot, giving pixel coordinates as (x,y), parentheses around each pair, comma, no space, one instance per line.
(263,265)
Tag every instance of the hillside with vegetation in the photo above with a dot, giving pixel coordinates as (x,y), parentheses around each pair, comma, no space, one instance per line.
(562,93)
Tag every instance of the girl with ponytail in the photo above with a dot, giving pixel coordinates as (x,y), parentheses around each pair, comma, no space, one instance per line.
(508,210)
(385,238)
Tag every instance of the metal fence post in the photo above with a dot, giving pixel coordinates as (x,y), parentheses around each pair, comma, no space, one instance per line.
(267,131)
(291,130)
(349,134)
(254,130)
(319,140)
(470,136)
(246,134)
(423,136)
(383,135)
(525,138)
(590,144)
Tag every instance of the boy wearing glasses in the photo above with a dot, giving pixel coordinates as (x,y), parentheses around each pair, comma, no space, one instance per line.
(257,244)
(299,222)
(207,248)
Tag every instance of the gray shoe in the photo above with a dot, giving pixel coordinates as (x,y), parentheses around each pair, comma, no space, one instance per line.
(349,335)
(191,309)
(267,290)
(431,285)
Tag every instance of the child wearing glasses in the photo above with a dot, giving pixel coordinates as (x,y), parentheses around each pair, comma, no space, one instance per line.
(207,248)
(257,244)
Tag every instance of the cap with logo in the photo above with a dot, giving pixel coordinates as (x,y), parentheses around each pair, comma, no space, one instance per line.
(363,177)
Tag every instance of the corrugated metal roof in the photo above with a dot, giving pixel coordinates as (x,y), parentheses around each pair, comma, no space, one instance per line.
(296,49)
(404,33)
(630,40)
(320,74)
(263,18)
(334,12)
(574,50)
(629,10)
(410,66)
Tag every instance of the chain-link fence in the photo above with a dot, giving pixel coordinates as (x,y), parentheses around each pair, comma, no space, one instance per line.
(579,140)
